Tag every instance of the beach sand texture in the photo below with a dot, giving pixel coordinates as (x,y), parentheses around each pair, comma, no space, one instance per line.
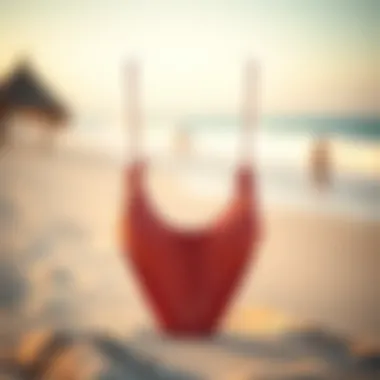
(59,251)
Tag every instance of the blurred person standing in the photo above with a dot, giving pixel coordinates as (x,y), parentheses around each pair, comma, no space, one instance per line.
(182,142)
(320,163)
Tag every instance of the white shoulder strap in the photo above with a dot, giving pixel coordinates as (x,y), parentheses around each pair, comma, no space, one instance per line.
(134,111)
(249,111)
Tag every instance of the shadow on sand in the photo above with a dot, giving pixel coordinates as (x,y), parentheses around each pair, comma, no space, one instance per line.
(140,357)
(286,350)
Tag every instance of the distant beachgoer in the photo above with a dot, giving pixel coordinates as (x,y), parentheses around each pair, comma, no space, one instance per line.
(183,142)
(320,163)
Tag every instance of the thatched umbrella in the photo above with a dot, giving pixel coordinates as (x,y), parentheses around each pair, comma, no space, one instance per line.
(24,92)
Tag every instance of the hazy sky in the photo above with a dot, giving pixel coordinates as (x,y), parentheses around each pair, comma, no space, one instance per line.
(316,55)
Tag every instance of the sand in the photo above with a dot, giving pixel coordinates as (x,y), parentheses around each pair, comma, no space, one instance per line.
(59,226)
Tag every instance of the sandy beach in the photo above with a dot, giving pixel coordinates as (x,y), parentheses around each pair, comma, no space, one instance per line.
(59,232)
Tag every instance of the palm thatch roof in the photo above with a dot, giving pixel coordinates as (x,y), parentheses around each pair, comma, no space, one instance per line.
(24,89)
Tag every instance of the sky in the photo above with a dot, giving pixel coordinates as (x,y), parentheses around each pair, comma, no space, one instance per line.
(315,56)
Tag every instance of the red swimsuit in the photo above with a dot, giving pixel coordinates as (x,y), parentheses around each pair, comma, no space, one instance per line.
(189,276)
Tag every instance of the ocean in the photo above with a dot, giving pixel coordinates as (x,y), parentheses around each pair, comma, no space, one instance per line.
(367,128)
(281,148)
